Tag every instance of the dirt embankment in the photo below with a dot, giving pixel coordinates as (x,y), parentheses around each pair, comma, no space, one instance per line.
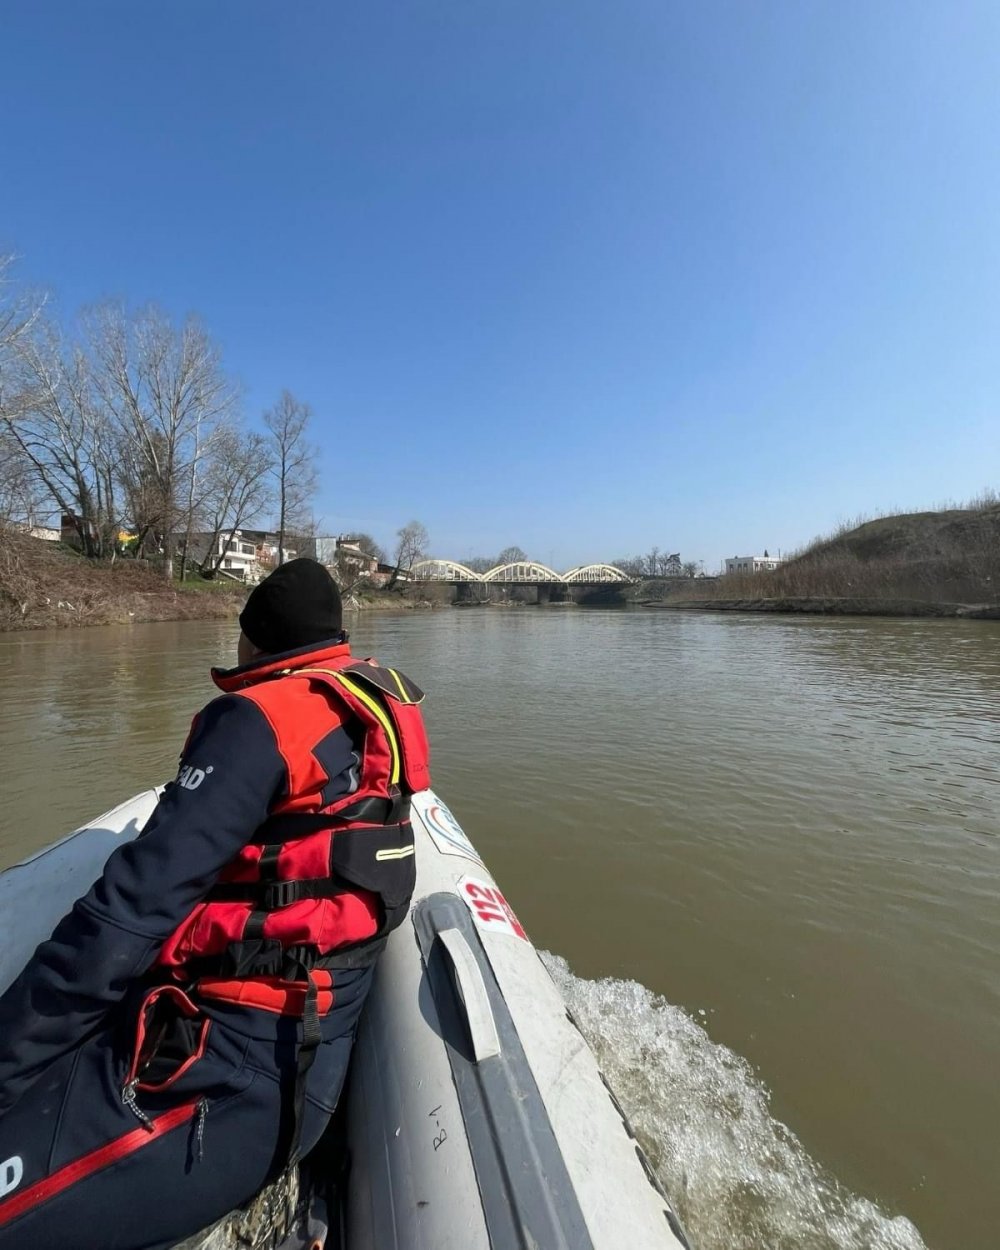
(404,597)
(944,563)
(45,586)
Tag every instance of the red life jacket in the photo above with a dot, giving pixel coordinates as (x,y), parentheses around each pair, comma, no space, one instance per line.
(318,885)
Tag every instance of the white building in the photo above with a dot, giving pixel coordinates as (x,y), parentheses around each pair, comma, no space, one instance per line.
(239,556)
(752,564)
(45,532)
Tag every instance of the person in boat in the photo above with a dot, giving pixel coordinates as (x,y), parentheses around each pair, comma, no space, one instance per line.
(186,1031)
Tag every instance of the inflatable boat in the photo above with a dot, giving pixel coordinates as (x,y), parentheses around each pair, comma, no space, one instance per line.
(475,1115)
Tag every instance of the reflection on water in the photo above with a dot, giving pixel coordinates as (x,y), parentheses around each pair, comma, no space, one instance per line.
(785,826)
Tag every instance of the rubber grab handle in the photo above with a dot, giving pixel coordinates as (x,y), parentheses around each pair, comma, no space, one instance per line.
(473,995)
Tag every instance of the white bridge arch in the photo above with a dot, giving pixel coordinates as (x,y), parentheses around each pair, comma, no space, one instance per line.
(524,572)
(596,573)
(443,571)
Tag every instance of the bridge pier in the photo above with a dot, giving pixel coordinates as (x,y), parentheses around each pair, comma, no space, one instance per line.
(470,593)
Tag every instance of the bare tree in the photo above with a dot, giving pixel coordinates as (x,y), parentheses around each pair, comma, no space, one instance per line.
(301,537)
(295,473)
(19,309)
(655,564)
(62,431)
(634,566)
(144,503)
(239,480)
(511,555)
(197,491)
(21,494)
(166,389)
(411,545)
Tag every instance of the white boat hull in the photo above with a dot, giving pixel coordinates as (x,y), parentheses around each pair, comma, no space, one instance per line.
(477,1116)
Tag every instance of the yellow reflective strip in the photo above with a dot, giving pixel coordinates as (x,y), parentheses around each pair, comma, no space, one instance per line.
(403,853)
(402,689)
(380,715)
(383,720)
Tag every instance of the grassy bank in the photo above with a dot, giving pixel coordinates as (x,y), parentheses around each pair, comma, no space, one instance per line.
(943,563)
(46,586)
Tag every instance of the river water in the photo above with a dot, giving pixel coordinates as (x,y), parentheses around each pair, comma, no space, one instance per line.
(762,851)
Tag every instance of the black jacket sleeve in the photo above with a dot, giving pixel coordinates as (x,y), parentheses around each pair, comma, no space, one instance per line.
(231,773)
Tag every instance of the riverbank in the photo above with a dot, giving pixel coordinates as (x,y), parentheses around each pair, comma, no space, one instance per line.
(834,606)
(921,564)
(941,563)
(44,585)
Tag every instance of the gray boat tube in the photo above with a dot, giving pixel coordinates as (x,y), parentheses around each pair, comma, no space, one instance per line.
(477,1117)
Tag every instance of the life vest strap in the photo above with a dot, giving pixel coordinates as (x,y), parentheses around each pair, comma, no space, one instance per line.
(374,809)
(378,810)
(268,958)
(272,895)
(312,1035)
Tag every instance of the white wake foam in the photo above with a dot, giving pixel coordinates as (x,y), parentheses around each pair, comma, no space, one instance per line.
(740,1179)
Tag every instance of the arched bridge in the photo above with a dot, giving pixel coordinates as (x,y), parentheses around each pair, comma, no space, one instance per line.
(520,572)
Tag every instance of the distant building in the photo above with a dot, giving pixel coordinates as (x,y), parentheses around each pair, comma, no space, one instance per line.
(70,526)
(753,564)
(45,532)
(239,556)
(352,559)
(267,548)
(344,557)
(321,548)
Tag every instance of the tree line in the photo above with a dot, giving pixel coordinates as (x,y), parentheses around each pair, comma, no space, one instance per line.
(483,564)
(127,423)
(657,563)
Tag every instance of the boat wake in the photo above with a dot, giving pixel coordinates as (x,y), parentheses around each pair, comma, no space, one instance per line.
(740,1179)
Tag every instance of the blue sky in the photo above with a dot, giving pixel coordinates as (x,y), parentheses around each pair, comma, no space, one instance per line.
(584,276)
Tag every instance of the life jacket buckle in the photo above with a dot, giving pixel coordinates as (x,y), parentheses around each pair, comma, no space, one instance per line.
(280,894)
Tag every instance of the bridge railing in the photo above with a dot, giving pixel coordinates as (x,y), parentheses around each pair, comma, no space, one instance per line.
(522,572)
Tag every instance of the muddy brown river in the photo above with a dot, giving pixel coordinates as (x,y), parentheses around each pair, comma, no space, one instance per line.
(763,850)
